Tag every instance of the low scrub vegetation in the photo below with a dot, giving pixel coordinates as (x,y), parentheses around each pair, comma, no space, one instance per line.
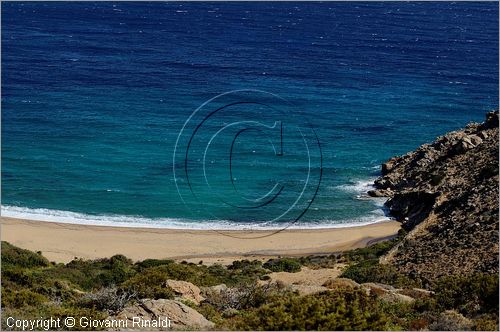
(343,310)
(283,265)
(33,287)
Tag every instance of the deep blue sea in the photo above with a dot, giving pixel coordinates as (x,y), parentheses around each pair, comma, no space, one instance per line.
(95,97)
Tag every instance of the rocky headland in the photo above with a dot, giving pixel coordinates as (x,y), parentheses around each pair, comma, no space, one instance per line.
(445,194)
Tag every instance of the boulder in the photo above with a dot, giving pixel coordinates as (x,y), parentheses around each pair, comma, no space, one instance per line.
(223,297)
(180,316)
(383,183)
(379,193)
(389,165)
(185,290)
(472,141)
(218,288)
(467,142)
(491,121)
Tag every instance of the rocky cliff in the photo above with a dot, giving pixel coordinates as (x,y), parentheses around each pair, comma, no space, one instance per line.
(445,194)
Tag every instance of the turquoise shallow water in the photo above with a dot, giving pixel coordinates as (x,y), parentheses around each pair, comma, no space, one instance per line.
(94,96)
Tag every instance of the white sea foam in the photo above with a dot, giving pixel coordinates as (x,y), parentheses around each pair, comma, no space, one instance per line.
(360,188)
(357,186)
(69,217)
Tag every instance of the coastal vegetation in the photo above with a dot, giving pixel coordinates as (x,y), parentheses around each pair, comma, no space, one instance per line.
(33,287)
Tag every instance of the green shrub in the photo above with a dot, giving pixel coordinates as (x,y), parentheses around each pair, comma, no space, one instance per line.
(22,298)
(347,310)
(147,263)
(94,274)
(211,313)
(470,295)
(149,284)
(320,261)
(202,275)
(371,252)
(283,265)
(487,322)
(12,255)
(245,264)
(372,271)
(16,276)
(56,290)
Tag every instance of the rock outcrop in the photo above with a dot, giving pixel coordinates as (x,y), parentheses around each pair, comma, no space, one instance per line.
(185,290)
(307,281)
(180,315)
(386,293)
(445,194)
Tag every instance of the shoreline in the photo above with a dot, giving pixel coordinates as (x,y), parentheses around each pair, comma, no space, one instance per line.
(127,221)
(62,242)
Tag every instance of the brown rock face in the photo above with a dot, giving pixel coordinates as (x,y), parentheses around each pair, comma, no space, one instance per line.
(185,290)
(143,315)
(446,196)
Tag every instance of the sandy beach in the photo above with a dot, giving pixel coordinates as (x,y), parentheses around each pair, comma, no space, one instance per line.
(62,242)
